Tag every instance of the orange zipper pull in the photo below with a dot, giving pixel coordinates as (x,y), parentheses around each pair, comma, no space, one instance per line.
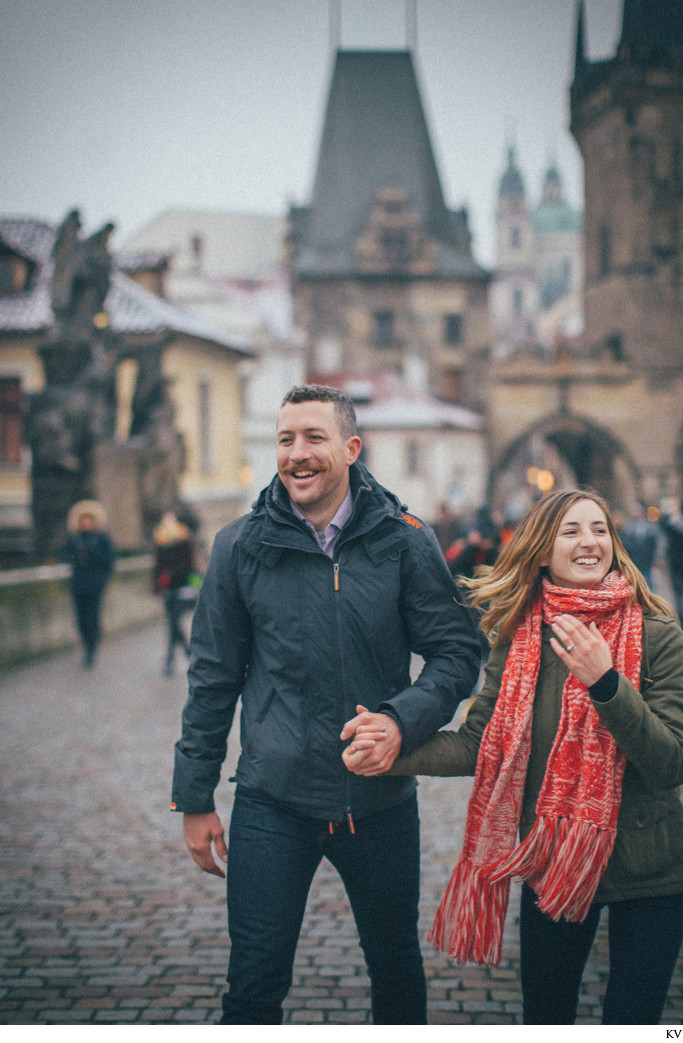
(336,576)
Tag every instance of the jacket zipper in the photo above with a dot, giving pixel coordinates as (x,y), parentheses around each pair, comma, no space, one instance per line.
(336,575)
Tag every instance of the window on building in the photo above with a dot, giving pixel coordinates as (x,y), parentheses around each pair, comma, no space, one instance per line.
(605,250)
(452,333)
(450,385)
(6,280)
(515,237)
(206,464)
(517,301)
(412,457)
(11,421)
(395,245)
(615,345)
(383,335)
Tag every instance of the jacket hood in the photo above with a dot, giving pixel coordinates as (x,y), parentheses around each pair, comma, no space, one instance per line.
(274,498)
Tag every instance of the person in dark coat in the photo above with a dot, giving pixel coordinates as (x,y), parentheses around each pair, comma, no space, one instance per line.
(174,565)
(671,522)
(312,604)
(640,538)
(90,552)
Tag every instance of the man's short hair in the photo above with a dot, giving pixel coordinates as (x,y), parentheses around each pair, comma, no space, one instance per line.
(343,407)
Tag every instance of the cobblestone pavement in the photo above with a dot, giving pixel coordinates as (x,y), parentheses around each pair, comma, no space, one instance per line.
(106,920)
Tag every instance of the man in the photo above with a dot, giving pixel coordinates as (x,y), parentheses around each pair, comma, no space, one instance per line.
(311,606)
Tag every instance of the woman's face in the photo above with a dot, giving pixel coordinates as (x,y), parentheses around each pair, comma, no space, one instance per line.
(581,555)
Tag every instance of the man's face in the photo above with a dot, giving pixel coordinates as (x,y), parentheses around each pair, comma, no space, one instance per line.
(313,459)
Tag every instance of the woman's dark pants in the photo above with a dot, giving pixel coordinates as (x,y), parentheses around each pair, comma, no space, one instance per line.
(273,856)
(645,936)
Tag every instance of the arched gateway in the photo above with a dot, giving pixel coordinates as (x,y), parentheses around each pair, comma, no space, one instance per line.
(572,450)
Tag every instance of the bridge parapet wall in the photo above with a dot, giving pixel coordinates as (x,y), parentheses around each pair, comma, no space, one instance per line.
(36,615)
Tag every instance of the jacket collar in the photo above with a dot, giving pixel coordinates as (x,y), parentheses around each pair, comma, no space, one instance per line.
(372,504)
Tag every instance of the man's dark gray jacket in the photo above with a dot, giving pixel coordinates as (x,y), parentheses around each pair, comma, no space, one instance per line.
(304,639)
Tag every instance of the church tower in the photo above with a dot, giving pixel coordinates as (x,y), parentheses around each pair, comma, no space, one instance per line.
(627,118)
(557,233)
(382,270)
(514,297)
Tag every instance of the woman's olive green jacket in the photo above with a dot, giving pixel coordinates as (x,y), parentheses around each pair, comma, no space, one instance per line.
(648,726)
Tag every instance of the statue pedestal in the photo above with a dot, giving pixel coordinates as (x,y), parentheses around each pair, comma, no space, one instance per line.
(115,482)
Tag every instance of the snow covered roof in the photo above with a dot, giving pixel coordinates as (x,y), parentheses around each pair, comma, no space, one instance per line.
(417,411)
(132,309)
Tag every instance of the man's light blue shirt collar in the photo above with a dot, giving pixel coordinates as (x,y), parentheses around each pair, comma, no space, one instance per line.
(327,541)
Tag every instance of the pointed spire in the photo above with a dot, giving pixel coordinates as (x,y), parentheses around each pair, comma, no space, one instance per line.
(511,183)
(580,53)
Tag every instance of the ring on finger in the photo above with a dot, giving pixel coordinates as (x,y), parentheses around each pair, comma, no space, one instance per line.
(568,648)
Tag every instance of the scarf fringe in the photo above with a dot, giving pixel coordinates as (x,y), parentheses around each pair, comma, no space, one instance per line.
(469,921)
(563,861)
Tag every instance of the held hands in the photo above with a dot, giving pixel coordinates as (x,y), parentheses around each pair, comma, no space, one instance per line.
(200,832)
(581,648)
(376,742)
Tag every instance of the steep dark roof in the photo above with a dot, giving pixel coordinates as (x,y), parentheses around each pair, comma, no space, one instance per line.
(375,135)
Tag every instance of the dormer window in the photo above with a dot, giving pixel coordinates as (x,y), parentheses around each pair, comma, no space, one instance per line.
(383,334)
(15,273)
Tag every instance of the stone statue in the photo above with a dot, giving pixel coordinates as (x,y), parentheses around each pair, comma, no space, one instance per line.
(80,280)
(72,422)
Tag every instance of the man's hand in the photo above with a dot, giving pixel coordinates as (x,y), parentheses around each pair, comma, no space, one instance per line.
(201,831)
(377,736)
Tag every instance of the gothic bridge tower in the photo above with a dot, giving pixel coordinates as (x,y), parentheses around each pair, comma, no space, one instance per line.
(382,271)
(608,410)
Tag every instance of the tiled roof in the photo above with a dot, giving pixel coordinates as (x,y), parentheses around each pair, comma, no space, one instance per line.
(133,310)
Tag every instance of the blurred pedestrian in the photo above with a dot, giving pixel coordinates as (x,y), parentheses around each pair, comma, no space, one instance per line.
(90,552)
(479,547)
(640,538)
(446,527)
(576,743)
(174,577)
(671,522)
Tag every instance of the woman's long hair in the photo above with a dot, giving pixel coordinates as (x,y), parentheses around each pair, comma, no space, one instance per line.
(505,590)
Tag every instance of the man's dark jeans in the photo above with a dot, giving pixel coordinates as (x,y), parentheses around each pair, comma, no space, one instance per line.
(644,941)
(273,856)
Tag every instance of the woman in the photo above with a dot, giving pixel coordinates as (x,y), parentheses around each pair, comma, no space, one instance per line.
(576,743)
(91,554)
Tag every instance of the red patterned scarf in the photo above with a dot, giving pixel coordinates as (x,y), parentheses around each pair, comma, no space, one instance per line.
(565,855)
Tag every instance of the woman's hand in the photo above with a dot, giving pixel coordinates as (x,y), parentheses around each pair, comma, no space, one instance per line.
(581,648)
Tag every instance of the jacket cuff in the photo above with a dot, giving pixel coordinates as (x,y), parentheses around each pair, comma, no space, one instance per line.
(605,688)
(388,711)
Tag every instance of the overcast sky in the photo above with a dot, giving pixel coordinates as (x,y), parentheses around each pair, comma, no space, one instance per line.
(124,109)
